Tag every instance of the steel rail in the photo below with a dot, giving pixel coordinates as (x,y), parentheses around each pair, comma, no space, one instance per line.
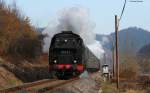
(39,86)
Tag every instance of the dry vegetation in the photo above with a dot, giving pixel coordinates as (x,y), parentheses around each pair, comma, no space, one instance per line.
(144,63)
(129,68)
(108,88)
(133,91)
(20,44)
(111,88)
(130,73)
(18,39)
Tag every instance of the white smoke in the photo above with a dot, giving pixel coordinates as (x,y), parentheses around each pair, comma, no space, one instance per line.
(74,19)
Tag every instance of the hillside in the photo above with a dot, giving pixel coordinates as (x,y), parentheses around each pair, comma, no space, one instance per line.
(144,51)
(7,78)
(18,38)
(20,47)
(130,39)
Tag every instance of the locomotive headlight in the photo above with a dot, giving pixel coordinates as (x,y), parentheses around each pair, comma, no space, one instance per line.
(75,61)
(55,61)
(66,40)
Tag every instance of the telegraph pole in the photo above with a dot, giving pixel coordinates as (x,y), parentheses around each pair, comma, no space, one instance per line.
(117,20)
(117,50)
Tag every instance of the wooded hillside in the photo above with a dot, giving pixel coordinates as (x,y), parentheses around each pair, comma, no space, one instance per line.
(17,37)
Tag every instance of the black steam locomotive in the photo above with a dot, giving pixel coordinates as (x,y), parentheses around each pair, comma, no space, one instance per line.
(66,55)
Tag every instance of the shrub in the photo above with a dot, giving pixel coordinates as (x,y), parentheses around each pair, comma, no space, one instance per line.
(144,63)
(129,68)
(25,46)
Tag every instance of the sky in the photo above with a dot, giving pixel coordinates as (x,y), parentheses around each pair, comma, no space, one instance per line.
(101,12)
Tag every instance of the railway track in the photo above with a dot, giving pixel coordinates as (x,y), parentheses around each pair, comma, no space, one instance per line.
(37,87)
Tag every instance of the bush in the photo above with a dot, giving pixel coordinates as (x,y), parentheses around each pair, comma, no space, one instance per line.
(144,64)
(25,46)
(129,68)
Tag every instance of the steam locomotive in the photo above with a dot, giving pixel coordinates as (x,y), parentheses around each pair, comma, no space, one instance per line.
(66,55)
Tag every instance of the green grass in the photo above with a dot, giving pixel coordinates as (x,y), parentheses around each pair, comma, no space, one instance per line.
(108,88)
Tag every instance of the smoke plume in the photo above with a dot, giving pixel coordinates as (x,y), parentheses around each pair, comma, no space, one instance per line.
(74,19)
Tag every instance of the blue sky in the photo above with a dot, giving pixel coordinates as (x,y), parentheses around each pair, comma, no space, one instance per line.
(102,12)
